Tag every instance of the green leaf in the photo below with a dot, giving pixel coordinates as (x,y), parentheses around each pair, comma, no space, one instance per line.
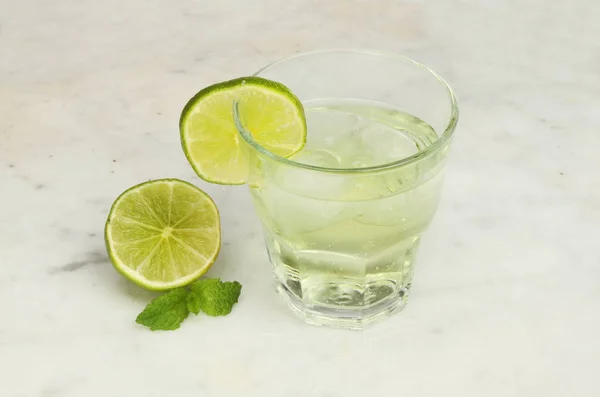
(215,297)
(166,312)
(193,303)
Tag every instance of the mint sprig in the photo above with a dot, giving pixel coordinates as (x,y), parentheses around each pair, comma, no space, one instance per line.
(165,312)
(212,296)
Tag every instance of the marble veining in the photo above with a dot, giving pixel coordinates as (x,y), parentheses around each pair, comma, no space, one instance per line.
(506,297)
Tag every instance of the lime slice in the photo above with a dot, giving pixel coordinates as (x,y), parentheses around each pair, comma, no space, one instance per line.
(272,113)
(163,234)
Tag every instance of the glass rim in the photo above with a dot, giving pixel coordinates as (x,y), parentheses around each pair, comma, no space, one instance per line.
(434,147)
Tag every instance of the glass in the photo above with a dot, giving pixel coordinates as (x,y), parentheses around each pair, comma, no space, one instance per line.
(343,217)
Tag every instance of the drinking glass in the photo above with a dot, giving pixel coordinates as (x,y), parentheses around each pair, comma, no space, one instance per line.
(343,218)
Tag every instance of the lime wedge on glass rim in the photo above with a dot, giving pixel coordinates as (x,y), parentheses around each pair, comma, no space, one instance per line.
(272,113)
(163,234)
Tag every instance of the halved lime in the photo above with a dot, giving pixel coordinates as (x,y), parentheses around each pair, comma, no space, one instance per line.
(163,234)
(272,114)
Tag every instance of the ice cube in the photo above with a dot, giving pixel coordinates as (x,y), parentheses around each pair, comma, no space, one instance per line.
(293,213)
(303,200)
(318,157)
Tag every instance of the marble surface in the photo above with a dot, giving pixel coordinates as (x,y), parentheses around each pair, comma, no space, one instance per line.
(506,299)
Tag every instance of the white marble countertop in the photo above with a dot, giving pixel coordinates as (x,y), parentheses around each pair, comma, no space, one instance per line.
(506,300)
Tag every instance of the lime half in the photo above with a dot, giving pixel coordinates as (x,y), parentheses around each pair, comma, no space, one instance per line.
(163,234)
(272,114)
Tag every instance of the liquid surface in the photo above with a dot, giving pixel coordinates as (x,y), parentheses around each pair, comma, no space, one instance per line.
(343,244)
(350,133)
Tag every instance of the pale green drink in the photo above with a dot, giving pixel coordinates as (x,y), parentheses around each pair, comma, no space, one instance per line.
(344,216)
(349,242)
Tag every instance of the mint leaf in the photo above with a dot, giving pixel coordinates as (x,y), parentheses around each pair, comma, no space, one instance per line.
(193,303)
(215,297)
(165,312)
(212,296)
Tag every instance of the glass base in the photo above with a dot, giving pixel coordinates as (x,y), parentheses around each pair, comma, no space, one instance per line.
(339,289)
(338,313)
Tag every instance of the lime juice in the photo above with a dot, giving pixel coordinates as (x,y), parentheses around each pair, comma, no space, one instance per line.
(339,237)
